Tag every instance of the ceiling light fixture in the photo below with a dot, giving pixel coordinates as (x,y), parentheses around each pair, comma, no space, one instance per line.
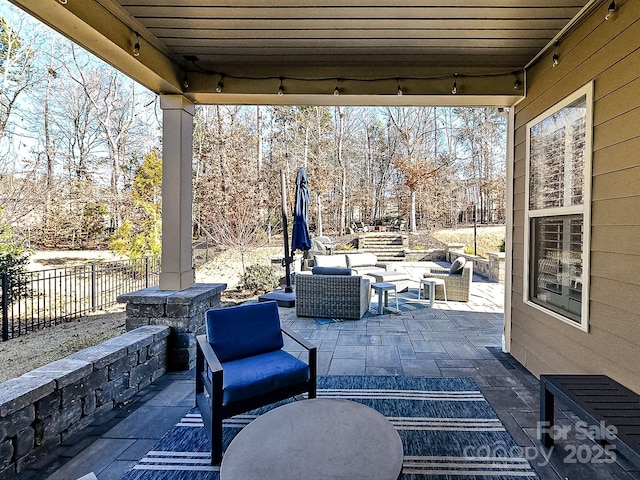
(399,87)
(454,88)
(62,2)
(136,47)
(185,82)
(336,91)
(556,58)
(611,10)
(219,86)
(281,88)
(516,83)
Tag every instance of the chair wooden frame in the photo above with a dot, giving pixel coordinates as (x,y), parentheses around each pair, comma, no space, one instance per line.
(209,390)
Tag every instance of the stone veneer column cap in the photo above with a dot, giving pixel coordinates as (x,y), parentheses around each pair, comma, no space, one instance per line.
(153,295)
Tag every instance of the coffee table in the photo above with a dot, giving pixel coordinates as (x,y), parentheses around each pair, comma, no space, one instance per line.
(401,280)
(317,439)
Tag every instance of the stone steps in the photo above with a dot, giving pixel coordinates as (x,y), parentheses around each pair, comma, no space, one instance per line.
(388,247)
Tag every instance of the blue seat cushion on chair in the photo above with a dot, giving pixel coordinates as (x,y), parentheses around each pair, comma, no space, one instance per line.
(244,330)
(248,377)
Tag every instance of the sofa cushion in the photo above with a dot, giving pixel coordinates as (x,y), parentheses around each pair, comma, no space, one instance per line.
(248,377)
(368,270)
(361,259)
(457,266)
(334,261)
(244,330)
(330,271)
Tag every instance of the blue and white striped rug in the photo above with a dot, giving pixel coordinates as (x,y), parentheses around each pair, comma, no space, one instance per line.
(448,431)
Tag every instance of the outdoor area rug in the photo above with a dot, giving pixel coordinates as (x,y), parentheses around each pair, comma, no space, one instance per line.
(448,431)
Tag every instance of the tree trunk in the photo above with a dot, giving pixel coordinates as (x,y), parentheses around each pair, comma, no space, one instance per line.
(306,147)
(259,140)
(319,221)
(413,212)
(343,187)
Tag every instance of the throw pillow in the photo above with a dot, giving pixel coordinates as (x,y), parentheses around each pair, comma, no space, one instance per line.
(330,271)
(334,261)
(457,266)
(361,259)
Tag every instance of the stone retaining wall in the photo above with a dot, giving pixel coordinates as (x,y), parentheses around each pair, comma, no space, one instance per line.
(492,268)
(43,407)
(431,255)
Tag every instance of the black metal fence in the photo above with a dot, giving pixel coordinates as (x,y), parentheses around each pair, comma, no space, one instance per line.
(34,300)
(203,250)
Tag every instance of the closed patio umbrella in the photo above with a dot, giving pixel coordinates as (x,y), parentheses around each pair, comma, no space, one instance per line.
(300,239)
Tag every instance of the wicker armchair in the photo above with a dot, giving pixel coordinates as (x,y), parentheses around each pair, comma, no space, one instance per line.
(457,285)
(332,296)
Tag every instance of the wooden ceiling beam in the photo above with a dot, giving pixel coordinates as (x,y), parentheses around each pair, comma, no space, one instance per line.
(110,38)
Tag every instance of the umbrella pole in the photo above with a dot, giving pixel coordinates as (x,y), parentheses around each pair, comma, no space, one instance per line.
(285,234)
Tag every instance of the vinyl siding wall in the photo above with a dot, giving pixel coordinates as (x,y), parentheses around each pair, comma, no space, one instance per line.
(607,53)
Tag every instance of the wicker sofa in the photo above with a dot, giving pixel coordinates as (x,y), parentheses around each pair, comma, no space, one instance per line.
(457,285)
(332,296)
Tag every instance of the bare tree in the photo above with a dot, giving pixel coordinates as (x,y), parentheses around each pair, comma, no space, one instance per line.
(114,104)
(18,72)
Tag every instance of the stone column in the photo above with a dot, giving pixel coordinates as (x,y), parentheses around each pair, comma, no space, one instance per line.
(182,310)
(177,148)
(453,250)
(496,266)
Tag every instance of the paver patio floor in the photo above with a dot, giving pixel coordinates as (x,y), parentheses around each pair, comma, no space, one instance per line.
(452,339)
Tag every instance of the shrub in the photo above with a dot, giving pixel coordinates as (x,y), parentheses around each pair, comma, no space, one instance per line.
(344,246)
(142,237)
(14,258)
(260,278)
(503,245)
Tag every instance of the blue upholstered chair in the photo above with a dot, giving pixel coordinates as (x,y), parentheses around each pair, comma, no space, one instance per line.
(240,365)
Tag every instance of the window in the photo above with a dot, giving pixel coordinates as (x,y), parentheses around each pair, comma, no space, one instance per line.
(558,209)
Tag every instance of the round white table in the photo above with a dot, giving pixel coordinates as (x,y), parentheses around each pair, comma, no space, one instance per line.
(318,439)
(432,282)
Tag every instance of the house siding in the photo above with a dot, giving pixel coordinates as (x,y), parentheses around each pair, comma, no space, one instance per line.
(607,53)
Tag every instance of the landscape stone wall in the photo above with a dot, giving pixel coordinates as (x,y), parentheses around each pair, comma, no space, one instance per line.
(493,267)
(40,409)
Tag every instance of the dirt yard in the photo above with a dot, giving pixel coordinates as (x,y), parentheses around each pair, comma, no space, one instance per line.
(21,354)
(35,349)
(488,238)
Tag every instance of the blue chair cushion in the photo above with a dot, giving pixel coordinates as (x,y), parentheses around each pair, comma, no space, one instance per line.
(244,330)
(252,376)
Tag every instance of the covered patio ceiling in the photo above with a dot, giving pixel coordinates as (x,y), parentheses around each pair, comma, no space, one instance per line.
(244,51)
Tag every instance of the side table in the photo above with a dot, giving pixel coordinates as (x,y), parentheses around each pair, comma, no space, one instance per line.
(383,289)
(432,282)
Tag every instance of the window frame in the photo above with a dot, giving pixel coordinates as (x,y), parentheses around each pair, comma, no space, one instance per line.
(583,209)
